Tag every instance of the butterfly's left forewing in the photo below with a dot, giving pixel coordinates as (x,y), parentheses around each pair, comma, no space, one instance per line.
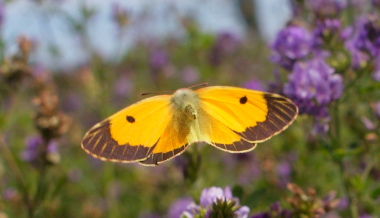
(131,134)
(239,118)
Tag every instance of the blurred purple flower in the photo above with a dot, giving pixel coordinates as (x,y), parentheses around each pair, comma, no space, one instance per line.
(367,36)
(376,72)
(255,85)
(34,147)
(184,206)
(262,215)
(359,59)
(226,43)
(347,33)
(369,125)
(31,151)
(71,102)
(284,170)
(313,85)
(10,194)
(292,43)
(159,59)
(190,74)
(242,212)
(123,87)
(178,207)
(210,195)
(376,3)
(365,216)
(41,74)
(377,109)
(344,203)
(325,30)
(327,8)
(275,211)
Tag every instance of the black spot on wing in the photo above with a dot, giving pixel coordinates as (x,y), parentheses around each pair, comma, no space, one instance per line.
(243,100)
(131,119)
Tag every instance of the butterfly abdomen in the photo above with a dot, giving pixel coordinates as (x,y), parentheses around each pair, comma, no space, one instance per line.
(191,112)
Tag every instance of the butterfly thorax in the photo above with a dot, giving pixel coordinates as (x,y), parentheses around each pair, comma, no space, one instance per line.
(186,101)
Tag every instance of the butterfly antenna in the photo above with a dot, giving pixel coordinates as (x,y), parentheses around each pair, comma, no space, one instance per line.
(198,85)
(157,93)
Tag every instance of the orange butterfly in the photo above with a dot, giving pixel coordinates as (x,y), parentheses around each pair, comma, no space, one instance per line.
(159,128)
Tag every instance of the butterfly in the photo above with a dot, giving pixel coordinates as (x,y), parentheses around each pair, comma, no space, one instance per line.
(161,127)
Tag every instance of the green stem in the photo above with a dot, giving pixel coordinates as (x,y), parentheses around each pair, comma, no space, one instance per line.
(13,165)
(336,143)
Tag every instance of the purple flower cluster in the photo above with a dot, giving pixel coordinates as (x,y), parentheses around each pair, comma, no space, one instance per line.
(364,45)
(209,201)
(327,8)
(325,31)
(292,43)
(275,211)
(313,85)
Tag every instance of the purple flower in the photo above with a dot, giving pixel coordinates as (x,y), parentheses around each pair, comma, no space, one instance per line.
(377,109)
(275,211)
(326,29)
(327,8)
(376,3)
(123,88)
(226,43)
(284,170)
(262,215)
(313,85)
(34,147)
(359,59)
(210,195)
(255,85)
(183,207)
(159,59)
(10,194)
(32,150)
(292,43)
(242,212)
(369,124)
(367,35)
(190,74)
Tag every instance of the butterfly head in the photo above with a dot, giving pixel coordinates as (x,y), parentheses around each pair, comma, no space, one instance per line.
(186,100)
